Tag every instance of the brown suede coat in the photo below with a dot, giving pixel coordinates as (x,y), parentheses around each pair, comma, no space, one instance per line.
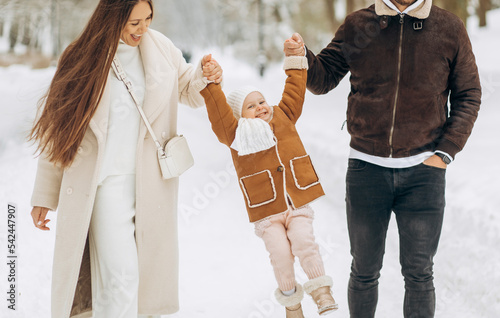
(403,70)
(271,177)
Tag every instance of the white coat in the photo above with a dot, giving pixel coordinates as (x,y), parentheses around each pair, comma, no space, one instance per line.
(169,80)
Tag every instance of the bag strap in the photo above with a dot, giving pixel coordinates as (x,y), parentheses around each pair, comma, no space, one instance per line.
(122,76)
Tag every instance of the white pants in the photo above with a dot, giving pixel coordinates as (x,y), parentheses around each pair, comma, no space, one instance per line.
(113,251)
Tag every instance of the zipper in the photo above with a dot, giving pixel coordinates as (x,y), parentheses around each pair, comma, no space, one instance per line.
(401,22)
(343,124)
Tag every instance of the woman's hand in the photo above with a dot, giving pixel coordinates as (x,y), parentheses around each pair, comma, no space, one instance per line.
(211,69)
(294,46)
(38,214)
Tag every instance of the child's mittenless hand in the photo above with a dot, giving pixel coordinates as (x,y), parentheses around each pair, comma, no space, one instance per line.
(211,69)
(294,46)
(208,68)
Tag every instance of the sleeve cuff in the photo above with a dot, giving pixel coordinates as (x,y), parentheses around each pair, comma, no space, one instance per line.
(444,153)
(199,82)
(295,62)
(447,147)
(52,206)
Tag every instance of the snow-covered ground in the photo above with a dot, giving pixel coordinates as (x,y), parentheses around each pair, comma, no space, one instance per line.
(224,268)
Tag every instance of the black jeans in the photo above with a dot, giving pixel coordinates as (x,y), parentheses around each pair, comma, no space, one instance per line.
(416,195)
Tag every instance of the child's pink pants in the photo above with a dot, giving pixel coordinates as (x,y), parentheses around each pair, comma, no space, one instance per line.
(287,235)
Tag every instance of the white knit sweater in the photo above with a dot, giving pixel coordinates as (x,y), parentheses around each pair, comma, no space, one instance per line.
(124,119)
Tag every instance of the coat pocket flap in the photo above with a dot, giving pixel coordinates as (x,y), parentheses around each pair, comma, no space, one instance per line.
(303,172)
(258,188)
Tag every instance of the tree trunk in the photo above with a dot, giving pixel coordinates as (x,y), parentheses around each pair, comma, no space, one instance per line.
(13,35)
(26,34)
(484,6)
(261,57)
(350,6)
(54,28)
(330,14)
(458,7)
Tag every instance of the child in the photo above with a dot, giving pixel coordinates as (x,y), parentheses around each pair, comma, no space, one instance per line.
(277,179)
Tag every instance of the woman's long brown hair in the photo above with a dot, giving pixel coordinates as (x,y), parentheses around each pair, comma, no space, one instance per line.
(79,81)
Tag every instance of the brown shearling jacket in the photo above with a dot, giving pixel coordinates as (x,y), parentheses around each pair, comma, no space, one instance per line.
(270,178)
(403,70)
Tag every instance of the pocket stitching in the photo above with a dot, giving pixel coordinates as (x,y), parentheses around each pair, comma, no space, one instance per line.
(295,178)
(246,193)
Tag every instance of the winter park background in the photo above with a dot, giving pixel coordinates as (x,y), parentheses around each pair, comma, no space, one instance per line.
(224,268)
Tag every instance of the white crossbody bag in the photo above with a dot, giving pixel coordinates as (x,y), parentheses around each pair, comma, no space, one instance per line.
(174,156)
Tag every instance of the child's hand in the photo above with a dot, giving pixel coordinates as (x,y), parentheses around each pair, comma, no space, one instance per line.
(211,69)
(208,68)
(206,59)
(294,46)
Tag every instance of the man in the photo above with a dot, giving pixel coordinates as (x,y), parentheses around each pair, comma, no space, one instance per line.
(406,59)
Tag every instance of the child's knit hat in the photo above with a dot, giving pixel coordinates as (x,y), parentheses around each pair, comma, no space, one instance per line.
(236,98)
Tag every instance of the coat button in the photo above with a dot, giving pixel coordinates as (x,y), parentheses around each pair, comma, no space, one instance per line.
(384,22)
(280,169)
(164,135)
(69,191)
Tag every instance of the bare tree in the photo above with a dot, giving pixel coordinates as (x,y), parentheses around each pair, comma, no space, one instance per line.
(35,24)
(458,7)
(350,6)
(353,5)
(13,34)
(331,14)
(483,7)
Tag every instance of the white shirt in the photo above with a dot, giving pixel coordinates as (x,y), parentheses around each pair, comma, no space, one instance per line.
(124,118)
(404,162)
(411,7)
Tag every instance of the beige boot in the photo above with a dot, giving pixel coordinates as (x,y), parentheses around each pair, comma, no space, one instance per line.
(320,290)
(294,311)
(292,302)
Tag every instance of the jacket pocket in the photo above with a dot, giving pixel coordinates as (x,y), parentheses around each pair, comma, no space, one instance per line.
(258,188)
(442,108)
(303,172)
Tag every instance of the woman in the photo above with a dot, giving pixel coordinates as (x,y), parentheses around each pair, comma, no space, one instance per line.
(116,224)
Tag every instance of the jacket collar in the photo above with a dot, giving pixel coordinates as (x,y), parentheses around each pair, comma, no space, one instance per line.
(420,12)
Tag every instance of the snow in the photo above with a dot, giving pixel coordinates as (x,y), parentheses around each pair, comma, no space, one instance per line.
(224,268)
